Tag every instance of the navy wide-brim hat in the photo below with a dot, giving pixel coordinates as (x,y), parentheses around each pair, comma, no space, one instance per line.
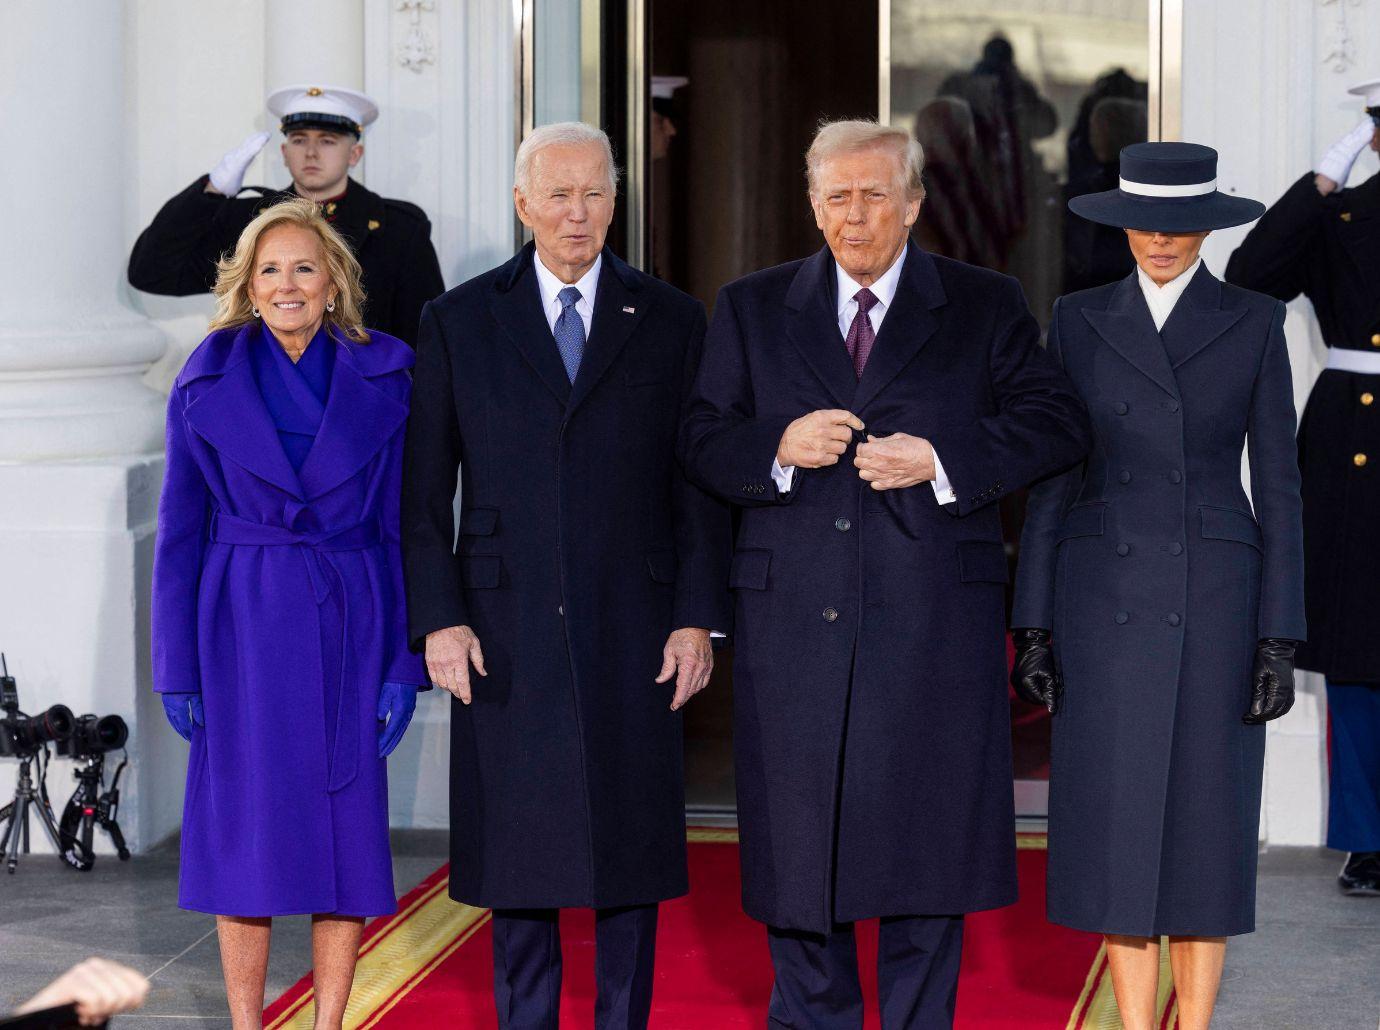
(1167,187)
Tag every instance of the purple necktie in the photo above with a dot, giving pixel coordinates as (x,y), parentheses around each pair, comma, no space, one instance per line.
(861,335)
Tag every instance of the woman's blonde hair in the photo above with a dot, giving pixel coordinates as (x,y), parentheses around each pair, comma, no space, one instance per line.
(235,270)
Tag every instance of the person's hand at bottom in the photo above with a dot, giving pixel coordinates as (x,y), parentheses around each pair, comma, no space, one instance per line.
(689,657)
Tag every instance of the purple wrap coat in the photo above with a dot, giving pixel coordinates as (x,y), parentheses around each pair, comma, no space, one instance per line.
(277,596)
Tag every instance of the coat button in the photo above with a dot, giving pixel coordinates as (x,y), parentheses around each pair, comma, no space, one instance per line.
(1175,476)
(1173,406)
(1173,618)
(1125,476)
(1123,549)
(1367,399)
(830,615)
(1176,548)
(842,525)
(1375,340)
(560,610)
(1359,460)
(1121,618)
(1120,408)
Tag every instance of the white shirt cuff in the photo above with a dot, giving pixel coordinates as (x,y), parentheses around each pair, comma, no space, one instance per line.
(783,477)
(943,491)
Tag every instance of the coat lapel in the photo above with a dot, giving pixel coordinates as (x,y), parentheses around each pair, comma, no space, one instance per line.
(1198,318)
(359,419)
(813,327)
(1129,330)
(231,416)
(906,325)
(618,309)
(516,305)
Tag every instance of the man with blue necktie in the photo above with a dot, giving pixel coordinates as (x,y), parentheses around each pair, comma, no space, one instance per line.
(573,619)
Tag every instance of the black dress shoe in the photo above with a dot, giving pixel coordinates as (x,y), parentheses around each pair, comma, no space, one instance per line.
(1360,877)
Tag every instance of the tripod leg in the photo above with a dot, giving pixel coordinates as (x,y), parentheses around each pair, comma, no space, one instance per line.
(12,859)
(113,828)
(24,822)
(45,816)
(6,817)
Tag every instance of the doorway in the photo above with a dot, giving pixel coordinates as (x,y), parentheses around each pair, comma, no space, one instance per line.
(711,104)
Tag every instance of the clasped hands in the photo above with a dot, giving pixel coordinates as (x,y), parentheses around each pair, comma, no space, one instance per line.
(1036,678)
(819,439)
(451,652)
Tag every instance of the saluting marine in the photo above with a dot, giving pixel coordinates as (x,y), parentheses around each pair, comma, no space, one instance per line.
(1323,240)
(322,126)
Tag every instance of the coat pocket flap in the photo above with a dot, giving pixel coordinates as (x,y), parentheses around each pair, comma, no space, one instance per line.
(981,561)
(662,565)
(478,521)
(749,570)
(1231,524)
(1083,520)
(481,571)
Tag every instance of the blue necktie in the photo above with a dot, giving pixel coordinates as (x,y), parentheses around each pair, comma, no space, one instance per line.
(570,331)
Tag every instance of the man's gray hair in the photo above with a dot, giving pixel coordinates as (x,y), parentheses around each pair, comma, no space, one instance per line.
(845,137)
(560,134)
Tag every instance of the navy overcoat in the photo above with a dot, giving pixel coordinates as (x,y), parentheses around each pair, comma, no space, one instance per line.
(581,547)
(871,729)
(277,595)
(1157,578)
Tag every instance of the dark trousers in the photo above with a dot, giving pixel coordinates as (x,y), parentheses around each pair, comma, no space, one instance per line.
(1353,810)
(817,984)
(527,967)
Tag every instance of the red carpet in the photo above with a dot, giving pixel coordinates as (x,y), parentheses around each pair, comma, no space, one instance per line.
(431,965)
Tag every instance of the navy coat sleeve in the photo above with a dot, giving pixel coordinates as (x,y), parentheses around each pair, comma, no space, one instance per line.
(1040,425)
(176,255)
(703,526)
(1275,485)
(724,445)
(431,460)
(421,283)
(183,522)
(1278,256)
(1033,605)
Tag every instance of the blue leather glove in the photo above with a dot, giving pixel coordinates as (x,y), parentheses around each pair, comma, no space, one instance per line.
(183,711)
(397,702)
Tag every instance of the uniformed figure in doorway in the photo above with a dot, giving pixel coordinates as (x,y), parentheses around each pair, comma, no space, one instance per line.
(1174,603)
(321,125)
(1323,241)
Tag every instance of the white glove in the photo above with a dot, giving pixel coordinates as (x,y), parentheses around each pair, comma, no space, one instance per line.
(1336,163)
(228,175)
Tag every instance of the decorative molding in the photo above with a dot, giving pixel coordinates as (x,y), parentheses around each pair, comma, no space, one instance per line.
(416,48)
(1339,48)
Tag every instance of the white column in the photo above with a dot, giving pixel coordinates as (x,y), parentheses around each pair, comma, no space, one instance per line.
(80,435)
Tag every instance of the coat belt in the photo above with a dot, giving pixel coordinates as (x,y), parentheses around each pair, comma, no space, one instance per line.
(316,549)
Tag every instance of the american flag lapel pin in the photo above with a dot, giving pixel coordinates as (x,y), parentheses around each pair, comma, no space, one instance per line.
(627,310)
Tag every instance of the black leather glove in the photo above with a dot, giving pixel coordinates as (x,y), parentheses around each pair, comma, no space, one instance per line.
(1272,681)
(1034,674)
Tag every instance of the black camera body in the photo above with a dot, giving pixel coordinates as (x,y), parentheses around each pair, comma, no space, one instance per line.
(23,735)
(94,735)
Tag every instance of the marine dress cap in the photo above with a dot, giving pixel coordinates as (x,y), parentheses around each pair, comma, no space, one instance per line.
(332,108)
(1371,91)
(664,93)
(1167,187)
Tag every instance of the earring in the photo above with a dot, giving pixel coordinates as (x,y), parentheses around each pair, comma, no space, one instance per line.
(330,305)
(256,312)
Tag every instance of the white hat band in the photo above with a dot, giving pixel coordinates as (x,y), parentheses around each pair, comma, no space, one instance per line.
(1155,189)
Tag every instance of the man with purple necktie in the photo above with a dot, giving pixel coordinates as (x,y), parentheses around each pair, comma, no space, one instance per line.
(871,736)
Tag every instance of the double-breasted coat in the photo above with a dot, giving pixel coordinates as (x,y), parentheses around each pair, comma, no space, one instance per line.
(277,595)
(581,547)
(871,731)
(176,254)
(1156,577)
(1328,248)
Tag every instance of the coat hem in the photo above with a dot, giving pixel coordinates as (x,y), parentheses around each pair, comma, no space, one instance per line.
(1107,926)
(478,899)
(762,915)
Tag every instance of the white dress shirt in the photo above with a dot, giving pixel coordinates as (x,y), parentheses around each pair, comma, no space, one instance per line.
(1161,299)
(551,288)
(884,289)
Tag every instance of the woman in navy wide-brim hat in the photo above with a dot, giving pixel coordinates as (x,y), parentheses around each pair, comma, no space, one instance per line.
(1157,608)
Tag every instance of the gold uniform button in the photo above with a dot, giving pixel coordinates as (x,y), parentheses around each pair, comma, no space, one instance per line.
(1375,340)
(1368,399)
(1359,461)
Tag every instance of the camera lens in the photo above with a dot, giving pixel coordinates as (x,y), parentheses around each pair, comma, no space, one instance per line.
(107,734)
(56,723)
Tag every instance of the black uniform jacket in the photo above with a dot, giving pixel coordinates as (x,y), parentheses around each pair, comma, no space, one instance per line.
(176,255)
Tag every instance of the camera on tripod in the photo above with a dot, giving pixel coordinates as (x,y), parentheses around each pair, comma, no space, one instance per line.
(87,740)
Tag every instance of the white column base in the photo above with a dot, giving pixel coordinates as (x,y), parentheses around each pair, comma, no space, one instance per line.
(76,557)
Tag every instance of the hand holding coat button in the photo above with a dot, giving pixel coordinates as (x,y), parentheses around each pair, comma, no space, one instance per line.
(818,439)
